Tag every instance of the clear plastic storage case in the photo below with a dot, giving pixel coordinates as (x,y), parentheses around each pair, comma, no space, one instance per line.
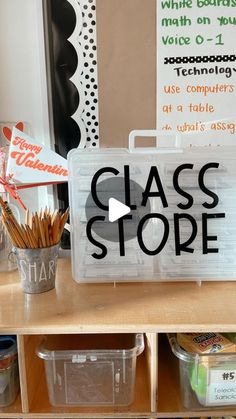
(91,369)
(9,375)
(206,380)
(191,230)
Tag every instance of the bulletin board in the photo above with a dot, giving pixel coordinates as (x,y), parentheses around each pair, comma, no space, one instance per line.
(166,64)
(122,65)
(153,64)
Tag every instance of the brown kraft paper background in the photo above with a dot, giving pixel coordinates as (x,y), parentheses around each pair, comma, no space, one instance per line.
(126,40)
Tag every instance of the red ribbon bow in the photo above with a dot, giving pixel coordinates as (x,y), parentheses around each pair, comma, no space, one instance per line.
(12,190)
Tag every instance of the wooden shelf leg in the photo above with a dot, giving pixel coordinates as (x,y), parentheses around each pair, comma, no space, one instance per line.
(151,339)
(22,373)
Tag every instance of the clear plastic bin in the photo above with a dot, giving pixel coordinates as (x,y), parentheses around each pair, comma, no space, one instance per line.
(9,376)
(203,230)
(207,380)
(91,369)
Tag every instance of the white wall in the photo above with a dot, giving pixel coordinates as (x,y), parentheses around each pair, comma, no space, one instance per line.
(22,68)
(23,91)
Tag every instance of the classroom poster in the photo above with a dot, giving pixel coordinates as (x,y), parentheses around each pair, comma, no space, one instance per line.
(196,68)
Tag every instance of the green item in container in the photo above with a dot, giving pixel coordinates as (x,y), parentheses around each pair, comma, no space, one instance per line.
(198,376)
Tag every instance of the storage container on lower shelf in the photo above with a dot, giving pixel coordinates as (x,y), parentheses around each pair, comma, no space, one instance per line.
(9,376)
(206,380)
(91,369)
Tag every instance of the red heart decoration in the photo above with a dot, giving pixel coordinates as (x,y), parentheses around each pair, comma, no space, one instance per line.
(20,126)
(7,132)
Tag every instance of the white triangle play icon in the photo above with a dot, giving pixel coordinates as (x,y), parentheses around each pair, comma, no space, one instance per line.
(117,209)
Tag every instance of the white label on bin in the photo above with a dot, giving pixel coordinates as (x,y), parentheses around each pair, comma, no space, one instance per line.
(78,358)
(222,387)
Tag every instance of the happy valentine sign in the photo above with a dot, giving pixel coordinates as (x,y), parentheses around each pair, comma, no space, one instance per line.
(32,162)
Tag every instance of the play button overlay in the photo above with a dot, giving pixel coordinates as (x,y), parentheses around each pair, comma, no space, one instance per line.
(113,208)
(117,210)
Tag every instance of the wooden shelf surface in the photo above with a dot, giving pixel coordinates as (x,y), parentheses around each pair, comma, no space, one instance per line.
(129,307)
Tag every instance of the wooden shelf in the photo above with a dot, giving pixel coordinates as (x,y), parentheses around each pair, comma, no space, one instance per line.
(131,307)
(150,308)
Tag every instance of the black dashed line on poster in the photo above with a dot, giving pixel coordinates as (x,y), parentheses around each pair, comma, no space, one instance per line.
(198,59)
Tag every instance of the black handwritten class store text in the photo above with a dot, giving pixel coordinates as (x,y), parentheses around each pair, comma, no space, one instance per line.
(155,188)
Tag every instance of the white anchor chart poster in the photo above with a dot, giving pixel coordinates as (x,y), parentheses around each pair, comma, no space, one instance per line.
(196,67)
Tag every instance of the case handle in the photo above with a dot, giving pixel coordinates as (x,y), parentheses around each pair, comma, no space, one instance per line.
(155,133)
